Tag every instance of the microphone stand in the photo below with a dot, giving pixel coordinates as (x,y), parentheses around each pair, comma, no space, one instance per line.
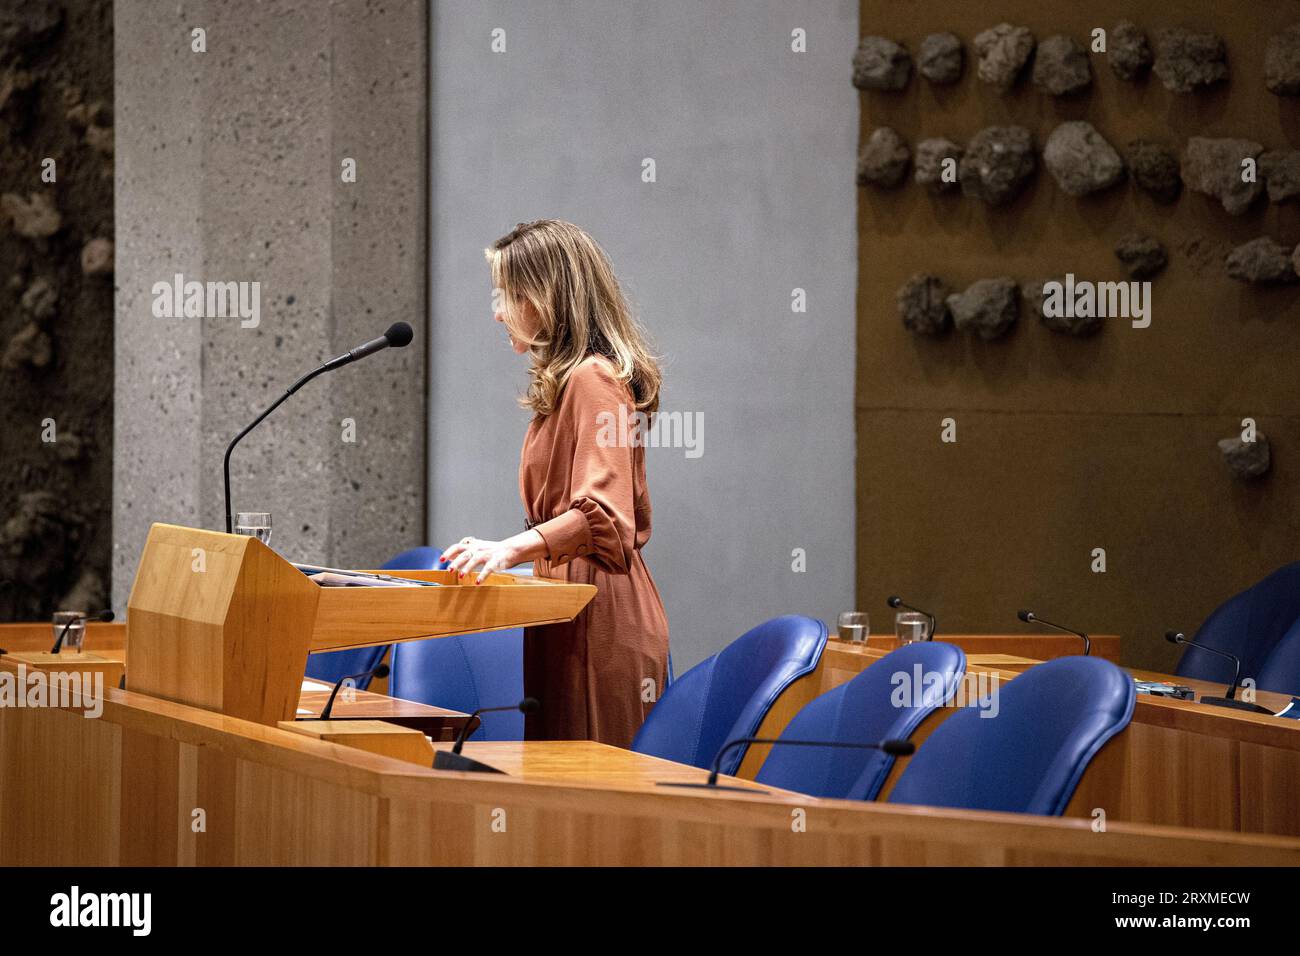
(257,421)
(897,602)
(1029,617)
(1230,698)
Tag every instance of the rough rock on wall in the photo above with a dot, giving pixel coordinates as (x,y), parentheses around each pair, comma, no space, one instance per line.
(1061,66)
(998,163)
(1213,167)
(1282,62)
(1187,60)
(942,58)
(884,159)
(1281,172)
(1130,53)
(1080,159)
(988,308)
(1002,52)
(1155,169)
(1263,260)
(56,305)
(931,154)
(1141,256)
(923,304)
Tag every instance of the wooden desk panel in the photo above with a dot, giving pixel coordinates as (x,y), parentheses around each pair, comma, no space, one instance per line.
(438,722)
(1038,646)
(107,640)
(272,797)
(586,761)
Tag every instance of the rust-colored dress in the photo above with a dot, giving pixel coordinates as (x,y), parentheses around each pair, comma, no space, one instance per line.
(597,676)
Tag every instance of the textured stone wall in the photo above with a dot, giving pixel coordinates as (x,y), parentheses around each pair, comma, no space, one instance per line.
(1098,438)
(231,170)
(56,305)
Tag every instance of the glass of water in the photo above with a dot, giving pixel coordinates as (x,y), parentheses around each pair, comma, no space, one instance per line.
(255,524)
(910,627)
(74,622)
(854,626)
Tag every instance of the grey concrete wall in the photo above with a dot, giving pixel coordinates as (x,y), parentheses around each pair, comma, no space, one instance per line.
(229,170)
(754,146)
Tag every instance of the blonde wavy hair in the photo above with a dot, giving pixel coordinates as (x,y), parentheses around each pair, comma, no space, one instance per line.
(566,277)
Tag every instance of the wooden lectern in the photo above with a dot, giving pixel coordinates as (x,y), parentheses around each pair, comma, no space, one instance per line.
(221,621)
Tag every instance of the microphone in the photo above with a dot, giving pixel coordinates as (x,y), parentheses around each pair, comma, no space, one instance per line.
(378,671)
(104,616)
(894,748)
(454,760)
(398,336)
(896,602)
(1229,699)
(529,705)
(1029,617)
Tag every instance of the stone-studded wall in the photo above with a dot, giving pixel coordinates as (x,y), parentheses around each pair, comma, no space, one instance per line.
(56,305)
(1066,443)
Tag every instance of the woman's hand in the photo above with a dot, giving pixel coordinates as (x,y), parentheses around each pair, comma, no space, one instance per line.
(470,554)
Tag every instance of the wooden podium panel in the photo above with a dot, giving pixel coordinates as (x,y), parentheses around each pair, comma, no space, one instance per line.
(365,617)
(221,621)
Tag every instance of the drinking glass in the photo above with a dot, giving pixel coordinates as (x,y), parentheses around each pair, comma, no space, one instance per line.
(910,627)
(255,524)
(854,626)
(75,622)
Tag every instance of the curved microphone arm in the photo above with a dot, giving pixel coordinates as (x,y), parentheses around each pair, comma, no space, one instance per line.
(230,515)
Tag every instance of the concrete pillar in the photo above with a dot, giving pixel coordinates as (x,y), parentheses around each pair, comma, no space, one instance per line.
(229,169)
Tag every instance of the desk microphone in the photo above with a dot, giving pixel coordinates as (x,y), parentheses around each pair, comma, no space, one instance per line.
(378,672)
(1029,617)
(454,760)
(896,602)
(103,616)
(1229,699)
(895,748)
(398,336)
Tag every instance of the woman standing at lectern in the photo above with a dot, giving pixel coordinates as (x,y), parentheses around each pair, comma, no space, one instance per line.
(582,479)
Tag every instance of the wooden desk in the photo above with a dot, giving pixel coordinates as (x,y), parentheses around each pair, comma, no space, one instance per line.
(107,640)
(1036,645)
(1177,763)
(438,722)
(586,761)
(272,797)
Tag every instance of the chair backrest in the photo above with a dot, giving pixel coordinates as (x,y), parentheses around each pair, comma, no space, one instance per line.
(333,666)
(1248,625)
(464,673)
(887,701)
(1048,724)
(728,695)
(1280,673)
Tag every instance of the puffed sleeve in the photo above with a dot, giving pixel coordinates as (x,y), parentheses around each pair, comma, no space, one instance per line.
(599,524)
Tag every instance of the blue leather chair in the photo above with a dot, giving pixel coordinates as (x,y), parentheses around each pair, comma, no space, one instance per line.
(333,666)
(864,711)
(728,695)
(1051,721)
(465,673)
(1280,672)
(1249,624)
